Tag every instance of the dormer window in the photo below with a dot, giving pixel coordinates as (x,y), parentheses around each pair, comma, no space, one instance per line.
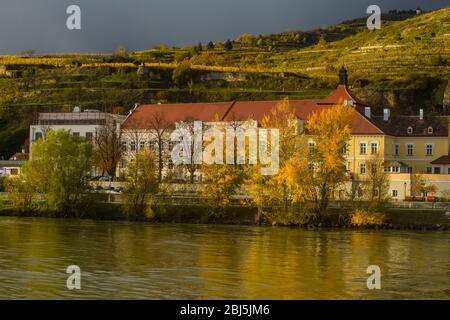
(349,102)
(430,130)
(409,130)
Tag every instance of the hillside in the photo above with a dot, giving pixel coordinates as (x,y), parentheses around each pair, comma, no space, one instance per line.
(405,65)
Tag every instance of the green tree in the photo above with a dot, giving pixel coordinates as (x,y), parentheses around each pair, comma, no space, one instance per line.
(247,39)
(228,45)
(59,168)
(121,51)
(141,183)
(182,74)
(210,45)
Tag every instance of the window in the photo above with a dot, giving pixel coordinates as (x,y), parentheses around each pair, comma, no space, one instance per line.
(437,170)
(429,149)
(410,170)
(133,146)
(89,136)
(142,145)
(311,147)
(396,149)
(362,168)
(430,130)
(374,168)
(345,149)
(170,164)
(123,163)
(374,148)
(76,134)
(362,148)
(347,166)
(410,149)
(124,146)
(395,193)
(429,170)
(171,145)
(396,169)
(409,130)
(37,136)
(152,145)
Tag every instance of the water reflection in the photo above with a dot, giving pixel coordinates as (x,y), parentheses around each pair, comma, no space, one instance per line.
(145,261)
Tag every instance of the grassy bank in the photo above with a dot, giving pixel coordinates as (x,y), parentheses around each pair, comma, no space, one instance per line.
(246,215)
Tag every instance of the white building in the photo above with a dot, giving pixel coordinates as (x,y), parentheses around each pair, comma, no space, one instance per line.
(84,124)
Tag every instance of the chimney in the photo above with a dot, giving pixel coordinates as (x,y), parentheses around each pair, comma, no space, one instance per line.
(343,77)
(367,112)
(386,114)
(421,114)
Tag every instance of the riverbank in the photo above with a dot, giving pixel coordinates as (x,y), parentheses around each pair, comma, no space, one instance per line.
(395,218)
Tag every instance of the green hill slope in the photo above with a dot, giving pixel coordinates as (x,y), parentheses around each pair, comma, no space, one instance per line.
(405,65)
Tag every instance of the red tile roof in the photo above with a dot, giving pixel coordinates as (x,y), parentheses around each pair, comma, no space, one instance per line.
(441,160)
(340,95)
(141,117)
(243,110)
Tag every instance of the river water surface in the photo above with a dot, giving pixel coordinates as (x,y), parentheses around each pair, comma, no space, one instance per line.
(127,260)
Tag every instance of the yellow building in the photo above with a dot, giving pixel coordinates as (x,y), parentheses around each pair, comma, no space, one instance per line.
(405,144)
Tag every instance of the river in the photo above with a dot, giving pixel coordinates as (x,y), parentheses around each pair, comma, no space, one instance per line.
(128,260)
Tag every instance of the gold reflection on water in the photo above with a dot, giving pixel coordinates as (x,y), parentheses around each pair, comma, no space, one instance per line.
(145,261)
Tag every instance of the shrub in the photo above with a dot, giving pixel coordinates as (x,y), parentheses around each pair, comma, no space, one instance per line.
(362,218)
(19,194)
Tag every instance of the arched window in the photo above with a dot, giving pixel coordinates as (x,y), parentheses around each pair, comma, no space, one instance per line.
(430,130)
(409,130)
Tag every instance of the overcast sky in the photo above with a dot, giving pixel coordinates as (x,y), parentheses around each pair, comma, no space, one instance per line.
(141,24)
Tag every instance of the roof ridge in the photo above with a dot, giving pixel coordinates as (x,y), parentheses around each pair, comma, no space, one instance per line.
(371,123)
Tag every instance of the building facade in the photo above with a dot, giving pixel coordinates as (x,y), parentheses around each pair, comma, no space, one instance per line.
(405,144)
(84,124)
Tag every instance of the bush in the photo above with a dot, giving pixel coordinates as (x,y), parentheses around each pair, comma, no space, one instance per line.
(362,218)
(19,195)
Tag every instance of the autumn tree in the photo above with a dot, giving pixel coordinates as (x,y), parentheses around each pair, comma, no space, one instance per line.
(220,182)
(422,185)
(20,193)
(121,51)
(273,189)
(108,149)
(376,187)
(330,131)
(159,129)
(141,183)
(191,166)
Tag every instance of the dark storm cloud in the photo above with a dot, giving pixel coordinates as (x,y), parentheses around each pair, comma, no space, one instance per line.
(141,24)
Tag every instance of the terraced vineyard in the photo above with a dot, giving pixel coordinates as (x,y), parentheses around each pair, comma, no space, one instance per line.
(405,65)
